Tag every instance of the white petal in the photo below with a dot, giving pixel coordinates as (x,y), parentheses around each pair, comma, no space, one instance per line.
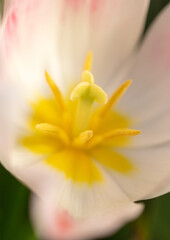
(147,100)
(151,176)
(10,106)
(52,184)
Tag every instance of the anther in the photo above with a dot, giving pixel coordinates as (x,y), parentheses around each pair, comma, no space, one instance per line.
(83,138)
(49,129)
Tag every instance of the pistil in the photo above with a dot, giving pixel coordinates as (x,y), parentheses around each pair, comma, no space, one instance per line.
(86,93)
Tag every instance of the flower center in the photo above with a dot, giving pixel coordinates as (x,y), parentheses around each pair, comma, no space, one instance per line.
(76,137)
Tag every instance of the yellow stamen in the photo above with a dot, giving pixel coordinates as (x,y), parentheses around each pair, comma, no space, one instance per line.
(75,136)
(115,97)
(121,132)
(111,134)
(88,61)
(83,138)
(49,129)
(55,90)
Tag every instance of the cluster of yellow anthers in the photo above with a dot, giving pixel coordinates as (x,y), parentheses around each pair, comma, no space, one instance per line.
(73,134)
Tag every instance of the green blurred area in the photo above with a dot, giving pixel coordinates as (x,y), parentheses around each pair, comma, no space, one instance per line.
(154,224)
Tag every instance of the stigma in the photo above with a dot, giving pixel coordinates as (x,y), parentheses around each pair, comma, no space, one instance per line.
(82,125)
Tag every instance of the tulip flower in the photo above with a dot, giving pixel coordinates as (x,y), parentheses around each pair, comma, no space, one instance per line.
(83,136)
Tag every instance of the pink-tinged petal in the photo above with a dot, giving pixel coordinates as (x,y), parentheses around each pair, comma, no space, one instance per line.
(148,98)
(110,29)
(29,38)
(18,10)
(70,210)
(77,4)
(51,224)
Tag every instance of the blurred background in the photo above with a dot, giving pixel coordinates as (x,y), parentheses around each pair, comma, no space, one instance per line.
(154,224)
